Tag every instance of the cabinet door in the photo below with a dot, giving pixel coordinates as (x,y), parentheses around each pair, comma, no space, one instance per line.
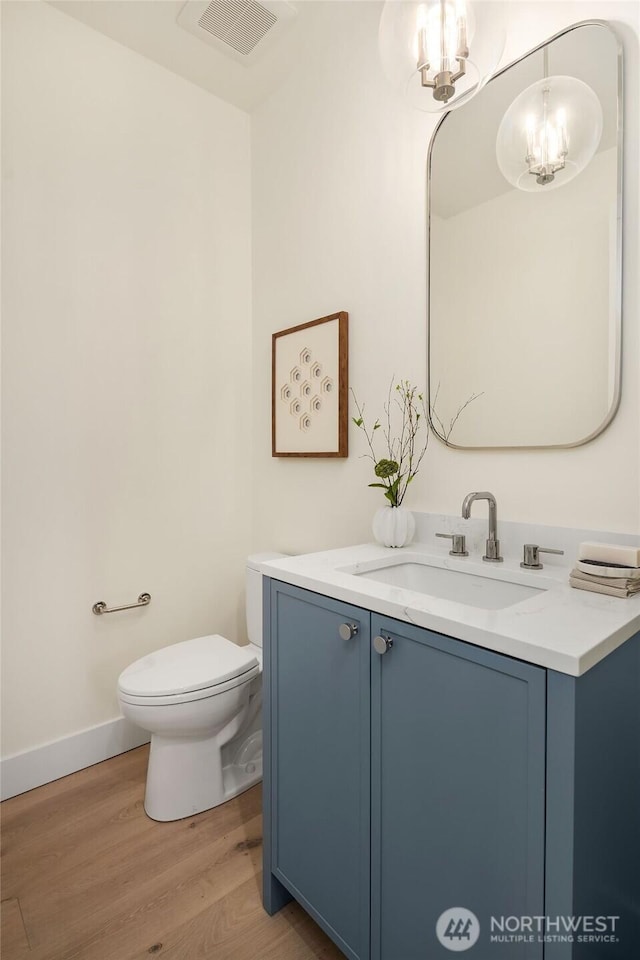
(320,761)
(458,752)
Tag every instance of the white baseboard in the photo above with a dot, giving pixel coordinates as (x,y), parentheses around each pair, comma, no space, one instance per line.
(24,771)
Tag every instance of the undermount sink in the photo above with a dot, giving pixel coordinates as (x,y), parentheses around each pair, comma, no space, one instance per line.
(487,593)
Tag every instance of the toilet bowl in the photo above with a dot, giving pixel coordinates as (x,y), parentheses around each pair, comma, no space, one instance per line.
(201,702)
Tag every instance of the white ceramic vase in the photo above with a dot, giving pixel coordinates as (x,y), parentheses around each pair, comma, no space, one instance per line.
(393,526)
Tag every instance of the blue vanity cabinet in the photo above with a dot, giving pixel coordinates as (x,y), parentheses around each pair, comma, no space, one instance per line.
(458,790)
(317,762)
(593,803)
(407,773)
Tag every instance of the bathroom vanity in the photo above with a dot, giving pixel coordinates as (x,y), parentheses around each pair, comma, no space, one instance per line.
(423,753)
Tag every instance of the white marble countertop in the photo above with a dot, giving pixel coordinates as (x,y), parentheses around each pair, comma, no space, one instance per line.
(559,627)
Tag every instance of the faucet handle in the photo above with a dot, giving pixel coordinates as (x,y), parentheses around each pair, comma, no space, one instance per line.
(532,551)
(458,546)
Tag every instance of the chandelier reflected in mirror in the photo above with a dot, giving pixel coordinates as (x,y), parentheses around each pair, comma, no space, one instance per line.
(550,132)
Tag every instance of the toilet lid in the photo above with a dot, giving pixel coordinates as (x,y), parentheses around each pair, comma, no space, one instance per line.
(182,667)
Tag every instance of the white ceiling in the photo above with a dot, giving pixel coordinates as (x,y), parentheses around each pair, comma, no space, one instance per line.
(149,27)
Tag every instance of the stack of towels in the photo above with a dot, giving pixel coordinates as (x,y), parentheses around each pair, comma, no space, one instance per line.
(607,568)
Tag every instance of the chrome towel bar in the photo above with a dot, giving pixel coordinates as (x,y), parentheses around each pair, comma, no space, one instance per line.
(100,607)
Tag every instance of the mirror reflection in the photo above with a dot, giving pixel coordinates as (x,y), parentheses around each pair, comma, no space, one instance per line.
(524,250)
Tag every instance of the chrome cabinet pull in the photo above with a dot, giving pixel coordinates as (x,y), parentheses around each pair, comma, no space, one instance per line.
(100,607)
(382,644)
(347,631)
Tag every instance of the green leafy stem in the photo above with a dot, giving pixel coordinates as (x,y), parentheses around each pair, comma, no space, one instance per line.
(407,407)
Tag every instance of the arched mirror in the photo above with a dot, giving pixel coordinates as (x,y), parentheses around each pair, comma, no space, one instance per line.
(524,212)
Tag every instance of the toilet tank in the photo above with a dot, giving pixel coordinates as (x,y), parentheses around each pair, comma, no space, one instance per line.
(254,594)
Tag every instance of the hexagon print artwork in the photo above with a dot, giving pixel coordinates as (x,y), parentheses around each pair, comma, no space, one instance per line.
(309,389)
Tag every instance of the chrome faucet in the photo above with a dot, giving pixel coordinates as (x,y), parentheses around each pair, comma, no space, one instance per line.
(492,550)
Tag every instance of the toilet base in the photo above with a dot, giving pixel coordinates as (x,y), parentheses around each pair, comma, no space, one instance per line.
(186,776)
(237,780)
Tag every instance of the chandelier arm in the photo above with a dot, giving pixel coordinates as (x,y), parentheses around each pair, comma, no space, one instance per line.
(462,70)
(425,80)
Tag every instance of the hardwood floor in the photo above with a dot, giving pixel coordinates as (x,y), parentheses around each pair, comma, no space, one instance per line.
(87,876)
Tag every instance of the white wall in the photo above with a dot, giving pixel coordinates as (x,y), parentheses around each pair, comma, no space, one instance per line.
(339,224)
(127,366)
(128,362)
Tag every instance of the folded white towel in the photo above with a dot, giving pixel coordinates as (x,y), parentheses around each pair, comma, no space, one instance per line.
(622,592)
(622,583)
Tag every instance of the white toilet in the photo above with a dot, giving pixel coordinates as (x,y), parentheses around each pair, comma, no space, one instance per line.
(201,701)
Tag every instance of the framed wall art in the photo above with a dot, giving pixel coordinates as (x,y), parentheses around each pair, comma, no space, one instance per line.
(310,386)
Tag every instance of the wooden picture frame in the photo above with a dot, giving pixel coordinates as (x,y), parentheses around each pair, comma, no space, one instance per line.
(310,389)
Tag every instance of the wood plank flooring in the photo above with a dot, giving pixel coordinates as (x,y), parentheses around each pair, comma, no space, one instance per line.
(87,876)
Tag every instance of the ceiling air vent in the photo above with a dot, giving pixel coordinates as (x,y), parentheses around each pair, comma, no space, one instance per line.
(243,29)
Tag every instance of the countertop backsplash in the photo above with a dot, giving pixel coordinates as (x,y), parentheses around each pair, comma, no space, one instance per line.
(512,536)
